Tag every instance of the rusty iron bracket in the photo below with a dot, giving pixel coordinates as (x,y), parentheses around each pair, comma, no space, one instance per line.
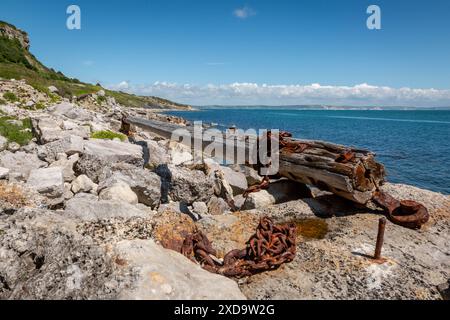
(406,213)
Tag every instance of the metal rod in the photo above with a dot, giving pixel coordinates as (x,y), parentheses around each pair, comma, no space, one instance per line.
(380,238)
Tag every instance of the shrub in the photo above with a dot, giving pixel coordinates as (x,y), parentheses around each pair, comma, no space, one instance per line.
(108,135)
(39,106)
(54,98)
(2,101)
(101,99)
(11,51)
(15,133)
(10,96)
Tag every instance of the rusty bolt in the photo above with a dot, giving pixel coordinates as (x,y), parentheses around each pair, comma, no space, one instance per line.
(380,238)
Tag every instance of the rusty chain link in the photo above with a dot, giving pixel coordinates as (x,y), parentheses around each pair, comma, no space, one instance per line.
(270,247)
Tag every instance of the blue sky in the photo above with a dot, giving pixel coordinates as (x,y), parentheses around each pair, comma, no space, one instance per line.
(210,51)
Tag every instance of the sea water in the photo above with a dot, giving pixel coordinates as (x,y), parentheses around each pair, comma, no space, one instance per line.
(414,145)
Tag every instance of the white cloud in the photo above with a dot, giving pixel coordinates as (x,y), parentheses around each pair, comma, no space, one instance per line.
(123,86)
(264,94)
(244,12)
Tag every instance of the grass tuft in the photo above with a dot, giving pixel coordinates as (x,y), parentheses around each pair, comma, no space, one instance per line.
(10,96)
(108,135)
(14,133)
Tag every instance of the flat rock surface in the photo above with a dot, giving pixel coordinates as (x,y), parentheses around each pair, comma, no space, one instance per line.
(335,245)
(48,181)
(165,274)
(89,210)
(115,149)
(20,163)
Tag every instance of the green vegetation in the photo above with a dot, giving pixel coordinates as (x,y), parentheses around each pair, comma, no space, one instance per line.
(108,135)
(37,106)
(16,133)
(54,98)
(101,99)
(132,100)
(12,51)
(2,101)
(10,96)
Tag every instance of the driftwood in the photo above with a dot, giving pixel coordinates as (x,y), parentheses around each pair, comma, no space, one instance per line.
(348,172)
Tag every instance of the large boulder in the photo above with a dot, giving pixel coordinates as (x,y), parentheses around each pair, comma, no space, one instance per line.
(180,154)
(144,183)
(70,111)
(252,176)
(258,200)
(87,209)
(157,155)
(237,180)
(101,154)
(53,89)
(47,129)
(83,184)
(163,274)
(119,191)
(47,255)
(69,145)
(44,257)
(114,151)
(218,206)
(72,145)
(20,163)
(222,188)
(48,181)
(184,185)
(200,208)
(67,165)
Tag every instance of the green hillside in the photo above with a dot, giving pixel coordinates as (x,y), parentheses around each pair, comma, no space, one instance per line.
(17,62)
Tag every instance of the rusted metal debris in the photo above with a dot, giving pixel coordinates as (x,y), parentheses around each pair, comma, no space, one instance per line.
(406,213)
(380,238)
(345,157)
(262,186)
(284,146)
(270,247)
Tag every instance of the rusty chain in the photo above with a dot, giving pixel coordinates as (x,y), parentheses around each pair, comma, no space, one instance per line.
(270,247)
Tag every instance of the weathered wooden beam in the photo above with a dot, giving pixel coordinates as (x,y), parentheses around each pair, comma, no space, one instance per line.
(318,163)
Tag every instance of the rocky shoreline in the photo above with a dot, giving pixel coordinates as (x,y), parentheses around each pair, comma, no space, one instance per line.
(85,218)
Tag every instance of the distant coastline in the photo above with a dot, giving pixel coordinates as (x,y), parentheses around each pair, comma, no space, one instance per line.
(320,107)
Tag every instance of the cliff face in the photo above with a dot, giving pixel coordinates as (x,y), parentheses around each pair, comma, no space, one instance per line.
(11,32)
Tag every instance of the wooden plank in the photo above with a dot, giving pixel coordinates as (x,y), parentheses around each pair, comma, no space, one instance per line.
(355,180)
